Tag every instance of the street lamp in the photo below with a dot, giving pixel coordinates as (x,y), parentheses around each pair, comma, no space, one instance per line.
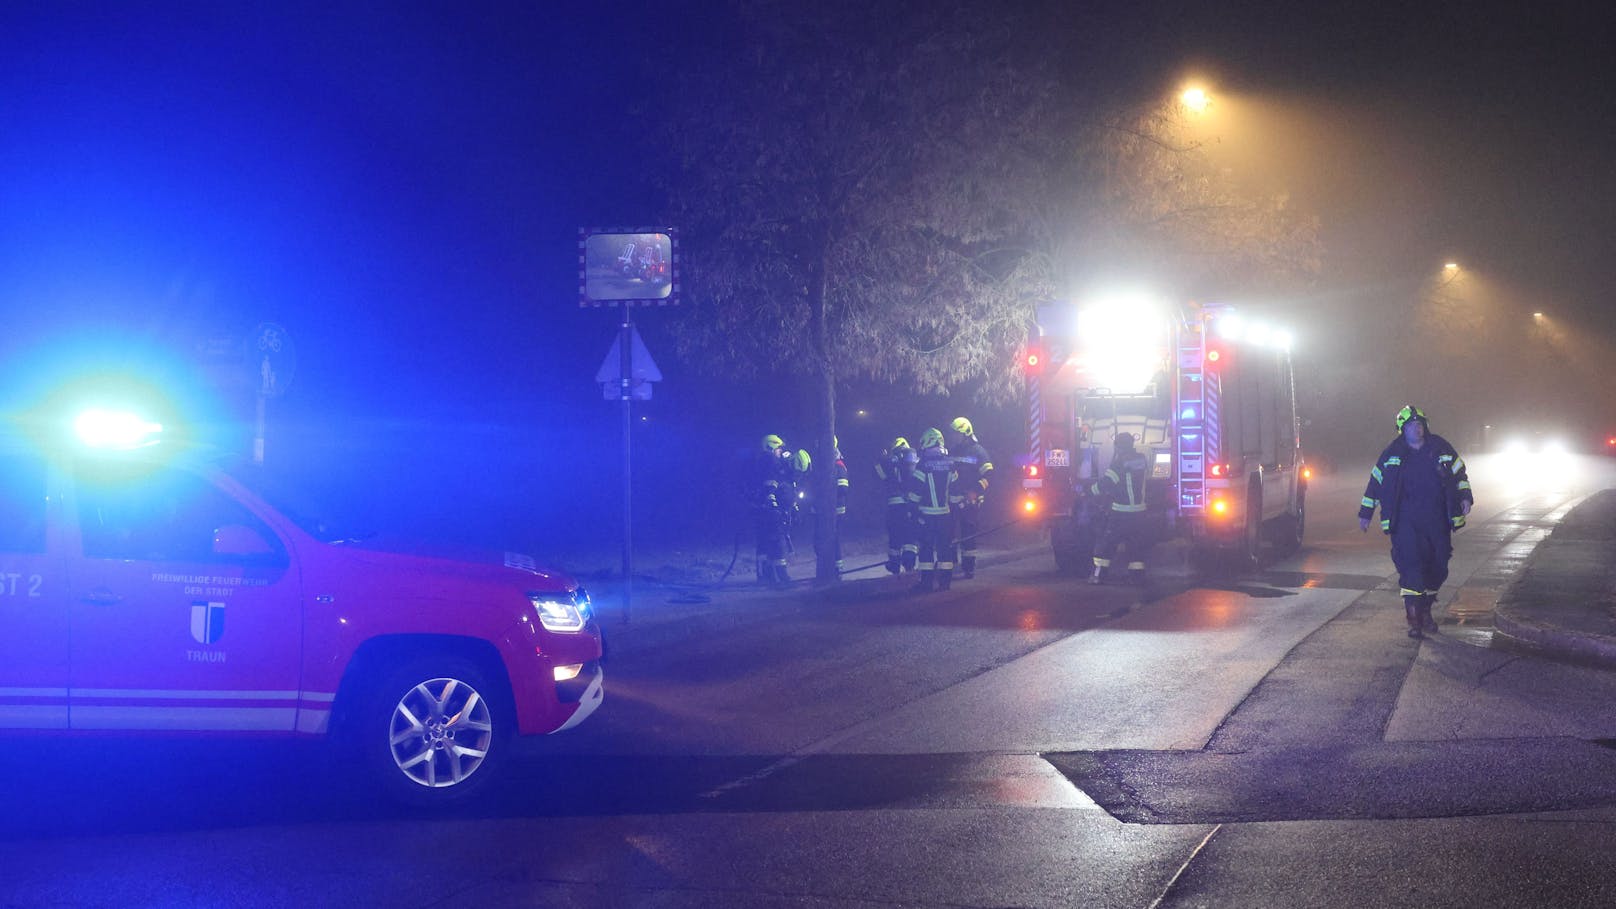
(1196,99)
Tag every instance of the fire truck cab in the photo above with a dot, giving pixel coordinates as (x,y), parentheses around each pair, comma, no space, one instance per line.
(1209,397)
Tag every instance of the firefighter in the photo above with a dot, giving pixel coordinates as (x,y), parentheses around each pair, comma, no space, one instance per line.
(927,490)
(974,467)
(1123,485)
(802,468)
(892,468)
(1423,492)
(769,495)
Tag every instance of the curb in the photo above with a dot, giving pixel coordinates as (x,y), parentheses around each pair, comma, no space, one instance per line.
(1580,646)
(1544,637)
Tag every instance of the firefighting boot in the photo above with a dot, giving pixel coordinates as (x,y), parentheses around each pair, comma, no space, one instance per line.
(1411,612)
(1097,576)
(926,583)
(782,577)
(1427,623)
(945,576)
(765,571)
(1136,577)
(968,565)
(893,565)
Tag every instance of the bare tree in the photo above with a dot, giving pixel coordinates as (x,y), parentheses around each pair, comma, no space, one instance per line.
(872,193)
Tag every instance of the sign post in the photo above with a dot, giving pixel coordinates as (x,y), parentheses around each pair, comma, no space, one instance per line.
(628,267)
(273,359)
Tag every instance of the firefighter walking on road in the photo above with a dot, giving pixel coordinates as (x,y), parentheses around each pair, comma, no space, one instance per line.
(927,491)
(1123,485)
(1423,492)
(770,500)
(892,469)
(974,467)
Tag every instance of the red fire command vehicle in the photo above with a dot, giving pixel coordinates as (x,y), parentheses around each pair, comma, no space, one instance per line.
(1208,395)
(144,588)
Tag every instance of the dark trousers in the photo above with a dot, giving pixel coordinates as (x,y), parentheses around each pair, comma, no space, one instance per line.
(1128,529)
(1421,555)
(936,557)
(769,524)
(970,523)
(902,549)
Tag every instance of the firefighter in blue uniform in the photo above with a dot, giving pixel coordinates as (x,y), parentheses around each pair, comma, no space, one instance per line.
(1123,485)
(974,466)
(1423,492)
(770,498)
(927,490)
(892,468)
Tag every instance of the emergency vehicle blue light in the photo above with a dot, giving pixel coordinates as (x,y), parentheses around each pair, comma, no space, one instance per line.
(115,429)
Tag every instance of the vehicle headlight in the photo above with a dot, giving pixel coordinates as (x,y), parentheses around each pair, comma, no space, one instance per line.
(562,611)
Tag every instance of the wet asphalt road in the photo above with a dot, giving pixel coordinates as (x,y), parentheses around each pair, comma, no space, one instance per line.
(1023,740)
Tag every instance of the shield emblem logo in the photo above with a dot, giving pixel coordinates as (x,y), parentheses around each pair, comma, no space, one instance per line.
(207,622)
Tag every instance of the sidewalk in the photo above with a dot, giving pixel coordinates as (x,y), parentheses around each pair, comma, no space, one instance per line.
(1564,602)
(684,591)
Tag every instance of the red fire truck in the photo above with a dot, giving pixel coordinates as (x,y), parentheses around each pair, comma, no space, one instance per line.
(1209,396)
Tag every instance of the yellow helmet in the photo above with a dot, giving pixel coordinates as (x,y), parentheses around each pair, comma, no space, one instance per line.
(932,439)
(772,442)
(962,426)
(899,442)
(1410,412)
(803,461)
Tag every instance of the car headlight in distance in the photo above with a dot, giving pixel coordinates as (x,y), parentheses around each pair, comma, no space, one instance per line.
(561,610)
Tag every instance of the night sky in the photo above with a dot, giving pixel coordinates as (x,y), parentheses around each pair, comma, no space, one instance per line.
(400,185)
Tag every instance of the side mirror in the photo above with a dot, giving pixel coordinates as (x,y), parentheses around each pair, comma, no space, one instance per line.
(240,540)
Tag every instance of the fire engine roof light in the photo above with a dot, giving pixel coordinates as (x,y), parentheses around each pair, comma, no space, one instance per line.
(115,429)
(1121,336)
(1236,327)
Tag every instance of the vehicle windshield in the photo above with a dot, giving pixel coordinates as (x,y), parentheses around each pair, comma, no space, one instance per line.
(322,509)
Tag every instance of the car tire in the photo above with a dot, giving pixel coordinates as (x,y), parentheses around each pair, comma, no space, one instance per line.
(1249,553)
(434,731)
(1288,539)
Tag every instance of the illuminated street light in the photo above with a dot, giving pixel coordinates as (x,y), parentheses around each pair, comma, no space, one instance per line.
(1538,316)
(1196,99)
(1451,266)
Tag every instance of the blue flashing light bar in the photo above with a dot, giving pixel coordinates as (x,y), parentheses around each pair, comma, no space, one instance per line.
(115,429)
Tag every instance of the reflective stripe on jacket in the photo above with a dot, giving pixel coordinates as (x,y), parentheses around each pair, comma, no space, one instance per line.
(929,482)
(1124,482)
(1385,486)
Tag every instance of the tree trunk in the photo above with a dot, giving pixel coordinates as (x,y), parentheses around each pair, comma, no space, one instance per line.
(826,542)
